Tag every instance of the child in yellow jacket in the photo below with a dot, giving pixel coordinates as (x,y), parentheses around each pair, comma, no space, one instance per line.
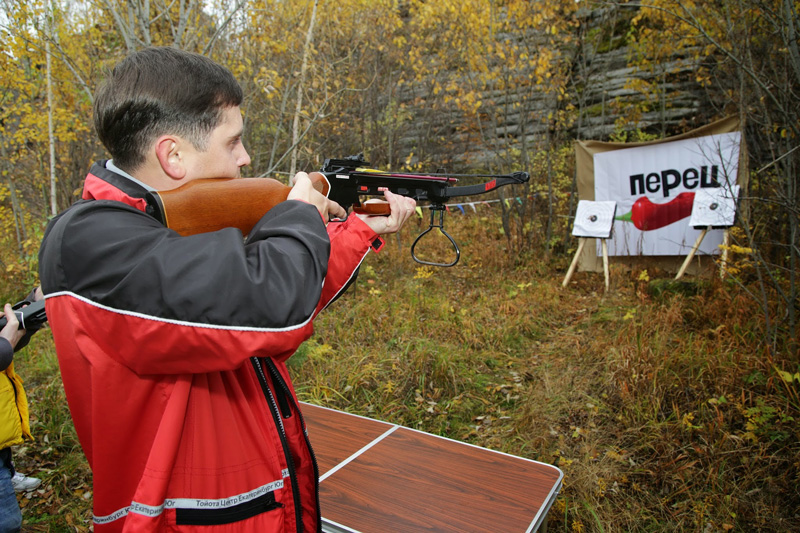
(14,425)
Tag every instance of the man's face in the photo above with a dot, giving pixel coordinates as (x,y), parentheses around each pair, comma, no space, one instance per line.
(225,154)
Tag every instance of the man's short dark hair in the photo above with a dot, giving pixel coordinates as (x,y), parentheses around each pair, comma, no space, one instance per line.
(159,91)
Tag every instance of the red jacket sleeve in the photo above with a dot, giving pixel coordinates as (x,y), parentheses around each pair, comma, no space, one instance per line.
(351,241)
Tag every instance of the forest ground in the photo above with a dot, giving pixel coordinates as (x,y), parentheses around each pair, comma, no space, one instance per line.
(657,399)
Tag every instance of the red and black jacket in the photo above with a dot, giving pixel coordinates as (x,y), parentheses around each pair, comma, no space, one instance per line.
(172,351)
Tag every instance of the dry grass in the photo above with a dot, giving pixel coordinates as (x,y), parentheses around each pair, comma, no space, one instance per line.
(662,407)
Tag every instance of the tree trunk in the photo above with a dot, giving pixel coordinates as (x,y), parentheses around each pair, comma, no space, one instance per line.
(50,133)
(299,105)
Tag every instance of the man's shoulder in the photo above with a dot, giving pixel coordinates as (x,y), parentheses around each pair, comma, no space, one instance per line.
(88,218)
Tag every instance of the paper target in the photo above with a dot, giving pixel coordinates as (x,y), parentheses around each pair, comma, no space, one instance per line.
(594,219)
(714,207)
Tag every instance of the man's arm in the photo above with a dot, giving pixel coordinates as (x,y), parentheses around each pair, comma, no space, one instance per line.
(352,239)
(172,304)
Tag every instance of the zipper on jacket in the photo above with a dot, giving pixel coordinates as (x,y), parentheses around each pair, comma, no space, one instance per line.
(278,380)
(282,393)
(276,416)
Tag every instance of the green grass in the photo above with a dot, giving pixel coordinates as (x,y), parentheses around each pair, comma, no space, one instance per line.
(659,402)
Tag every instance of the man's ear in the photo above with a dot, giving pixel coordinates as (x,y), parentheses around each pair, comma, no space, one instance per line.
(168,151)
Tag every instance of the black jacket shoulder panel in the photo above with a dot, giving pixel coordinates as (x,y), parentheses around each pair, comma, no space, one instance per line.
(120,257)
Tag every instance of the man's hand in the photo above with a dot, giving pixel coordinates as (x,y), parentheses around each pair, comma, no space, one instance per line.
(401,208)
(302,189)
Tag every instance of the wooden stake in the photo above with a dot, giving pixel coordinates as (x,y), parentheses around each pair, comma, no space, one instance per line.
(605,262)
(581,243)
(691,254)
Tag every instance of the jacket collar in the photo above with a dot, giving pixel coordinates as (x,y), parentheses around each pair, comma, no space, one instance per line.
(104,184)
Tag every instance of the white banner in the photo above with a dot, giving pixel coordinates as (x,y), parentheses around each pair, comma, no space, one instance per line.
(654,187)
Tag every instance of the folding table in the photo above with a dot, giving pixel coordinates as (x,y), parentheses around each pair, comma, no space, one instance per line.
(377,477)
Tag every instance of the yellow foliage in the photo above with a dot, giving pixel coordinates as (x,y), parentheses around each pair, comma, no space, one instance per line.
(740,249)
(423,272)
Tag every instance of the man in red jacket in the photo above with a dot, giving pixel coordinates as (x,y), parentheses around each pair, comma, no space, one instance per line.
(172,349)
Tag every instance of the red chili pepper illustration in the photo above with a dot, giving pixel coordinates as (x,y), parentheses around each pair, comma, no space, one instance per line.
(646,215)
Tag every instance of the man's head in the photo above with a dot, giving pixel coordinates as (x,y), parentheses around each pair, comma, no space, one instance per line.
(159,93)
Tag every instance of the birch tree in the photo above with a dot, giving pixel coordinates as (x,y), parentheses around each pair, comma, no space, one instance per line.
(48,21)
(300,84)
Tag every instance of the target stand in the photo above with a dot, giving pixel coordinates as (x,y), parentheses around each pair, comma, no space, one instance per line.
(712,209)
(593,220)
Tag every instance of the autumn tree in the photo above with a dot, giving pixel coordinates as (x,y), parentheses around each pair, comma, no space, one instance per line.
(267,47)
(36,117)
(750,64)
(489,86)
